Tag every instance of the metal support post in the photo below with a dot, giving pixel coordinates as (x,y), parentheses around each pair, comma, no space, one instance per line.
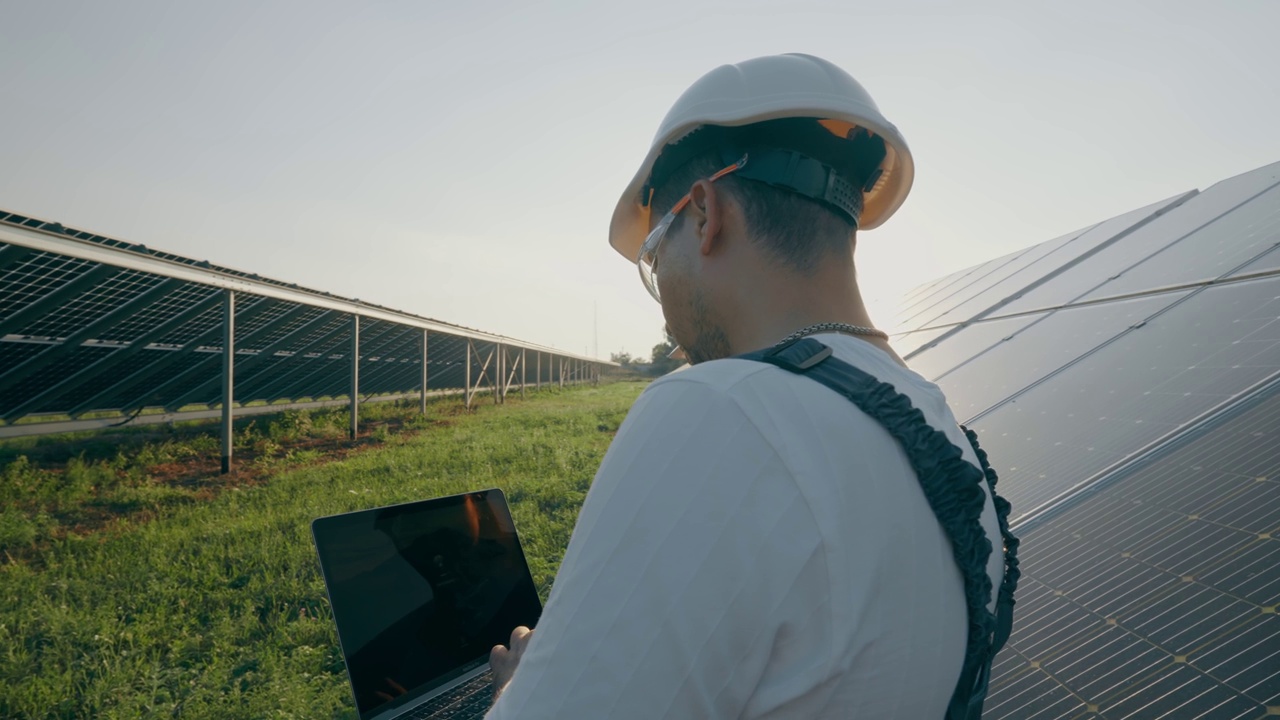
(355,376)
(466,393)
(422,401)
(497,376)
(538,374)
(524,372)
(228,378)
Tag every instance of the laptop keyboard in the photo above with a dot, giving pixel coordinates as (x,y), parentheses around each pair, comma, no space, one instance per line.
(469,700)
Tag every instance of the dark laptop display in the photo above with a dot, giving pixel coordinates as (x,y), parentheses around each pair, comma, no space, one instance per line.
(421,592)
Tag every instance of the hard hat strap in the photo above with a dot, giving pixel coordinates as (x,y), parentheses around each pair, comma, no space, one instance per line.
(803,175)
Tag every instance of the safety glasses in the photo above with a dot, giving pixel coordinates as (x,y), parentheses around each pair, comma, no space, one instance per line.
(648,258)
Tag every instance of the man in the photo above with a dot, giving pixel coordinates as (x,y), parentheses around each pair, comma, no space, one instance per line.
(754,545)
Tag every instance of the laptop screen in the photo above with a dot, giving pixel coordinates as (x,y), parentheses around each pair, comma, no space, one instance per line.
(421,592)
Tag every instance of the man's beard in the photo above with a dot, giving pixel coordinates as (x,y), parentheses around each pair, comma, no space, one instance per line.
(709,339)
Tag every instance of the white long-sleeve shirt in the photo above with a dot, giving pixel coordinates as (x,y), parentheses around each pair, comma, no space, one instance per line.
(754,546)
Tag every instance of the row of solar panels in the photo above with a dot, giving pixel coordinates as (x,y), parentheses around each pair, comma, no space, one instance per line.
(90,324)
(1125,380)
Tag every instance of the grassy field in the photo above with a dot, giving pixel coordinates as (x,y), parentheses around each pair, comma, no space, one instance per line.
(205,600)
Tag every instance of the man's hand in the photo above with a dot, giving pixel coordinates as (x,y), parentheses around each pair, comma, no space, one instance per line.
(503,661)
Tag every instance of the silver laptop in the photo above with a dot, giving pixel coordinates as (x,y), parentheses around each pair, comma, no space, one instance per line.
(421,593)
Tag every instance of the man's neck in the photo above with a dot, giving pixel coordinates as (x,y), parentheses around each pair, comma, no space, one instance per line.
(771,316)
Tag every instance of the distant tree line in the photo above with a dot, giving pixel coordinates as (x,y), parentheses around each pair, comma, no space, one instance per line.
(658,362)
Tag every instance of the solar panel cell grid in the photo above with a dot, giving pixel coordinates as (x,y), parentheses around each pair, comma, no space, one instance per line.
(87,307)
(202,324)
(13,354)
(145,318)
(1215,251)
(918,315)
(271,310)
(33,278)
(1009,278)
(50,375)
(1155,595)
(269,338)
(1145,385)
(1026,349)
(1048,259)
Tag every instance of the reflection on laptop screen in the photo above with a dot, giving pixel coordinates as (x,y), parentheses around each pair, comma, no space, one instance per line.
(421,592)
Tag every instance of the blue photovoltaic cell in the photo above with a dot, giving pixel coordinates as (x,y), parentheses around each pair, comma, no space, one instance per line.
(1037,345)
(1212,252)
(1155,596)
(1143,386)
(1146,241)
(1047,259)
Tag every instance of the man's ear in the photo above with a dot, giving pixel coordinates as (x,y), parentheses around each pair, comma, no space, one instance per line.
(706,211)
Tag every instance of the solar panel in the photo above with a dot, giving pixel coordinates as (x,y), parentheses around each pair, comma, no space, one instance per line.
(1221,247)
(1156,595)
(1047,259)
(909,342)
(89,323)
(946,297)
(1026,349)
(1144,242)
(948,287)
(1129,398)
(1149,382)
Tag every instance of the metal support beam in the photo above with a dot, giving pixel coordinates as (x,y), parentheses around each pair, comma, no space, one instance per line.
(497,375)
(510,375)
(423,400)
(355,376)
(539,373)
(228,376)
(466,393)
(524,372)
(493,355)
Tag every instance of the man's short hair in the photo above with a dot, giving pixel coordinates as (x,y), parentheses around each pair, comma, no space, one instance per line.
(796,231)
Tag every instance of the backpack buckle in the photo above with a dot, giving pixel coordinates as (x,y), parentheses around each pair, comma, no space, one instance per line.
(799,355)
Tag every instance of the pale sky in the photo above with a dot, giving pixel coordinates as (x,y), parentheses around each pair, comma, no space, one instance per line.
(461,160)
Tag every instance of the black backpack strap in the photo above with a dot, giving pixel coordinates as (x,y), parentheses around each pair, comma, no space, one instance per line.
(952,486)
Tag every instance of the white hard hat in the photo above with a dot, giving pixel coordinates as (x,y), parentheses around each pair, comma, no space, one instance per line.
(769,88)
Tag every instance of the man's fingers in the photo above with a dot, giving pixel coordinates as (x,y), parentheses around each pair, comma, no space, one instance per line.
(498,653)
(519,634)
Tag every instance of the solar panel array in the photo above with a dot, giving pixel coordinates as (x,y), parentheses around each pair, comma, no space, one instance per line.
(1125,380)
(91,324)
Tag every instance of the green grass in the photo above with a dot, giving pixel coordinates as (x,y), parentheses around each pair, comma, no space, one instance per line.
(215,608)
